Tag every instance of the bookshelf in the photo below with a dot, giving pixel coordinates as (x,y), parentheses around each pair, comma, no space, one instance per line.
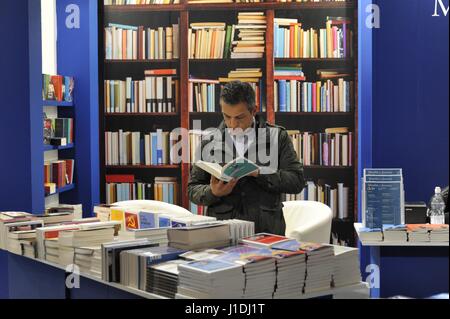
(311,14)
(55,110)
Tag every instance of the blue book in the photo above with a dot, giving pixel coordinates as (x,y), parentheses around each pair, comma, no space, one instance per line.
(159,150)
(171,189)
(282,43)
(156,255)
(111,108)
(164,222)
(309,97)
(142,151)
(123,26)
(148,220)
(165,188)
(282,93)
(275,36)
(288,96)
(154,148)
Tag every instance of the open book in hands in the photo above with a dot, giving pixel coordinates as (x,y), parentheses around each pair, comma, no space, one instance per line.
(236,169)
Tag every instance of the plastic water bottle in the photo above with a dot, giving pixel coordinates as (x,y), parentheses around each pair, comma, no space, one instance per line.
(437,205)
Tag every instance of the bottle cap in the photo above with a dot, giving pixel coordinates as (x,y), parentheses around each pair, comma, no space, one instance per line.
(437,190)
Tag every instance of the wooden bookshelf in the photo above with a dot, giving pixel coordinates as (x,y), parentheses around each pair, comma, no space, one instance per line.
(187,13)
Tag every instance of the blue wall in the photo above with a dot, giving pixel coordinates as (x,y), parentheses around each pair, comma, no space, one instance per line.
(21,179)
(410,94)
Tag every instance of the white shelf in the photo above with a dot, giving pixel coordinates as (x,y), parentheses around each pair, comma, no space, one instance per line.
(400,243)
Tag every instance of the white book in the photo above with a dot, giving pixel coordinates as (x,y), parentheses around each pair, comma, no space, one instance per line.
(341,200)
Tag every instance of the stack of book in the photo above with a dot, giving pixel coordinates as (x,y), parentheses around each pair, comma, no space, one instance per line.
(134,264)
(253,76)
(438,233)
(128,42)
(51,250)
(211,279)
(251,34)
(291,273)
(193,220)
(418,233)
(199,236)
(319,266)
(19,237)
(162,279)
(395,233)
(347,268)
(62,213)
(110,256)
(154,235)
(89,260)
(259,269)
(370,234)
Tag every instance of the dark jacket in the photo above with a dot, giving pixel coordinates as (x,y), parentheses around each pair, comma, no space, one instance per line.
(254,199)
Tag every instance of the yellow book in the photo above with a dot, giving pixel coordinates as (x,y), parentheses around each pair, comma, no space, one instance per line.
(249,80)
(329,41)
(118,214)
(295,44)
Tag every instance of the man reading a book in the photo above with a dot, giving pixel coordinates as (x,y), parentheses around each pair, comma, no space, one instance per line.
(244,134)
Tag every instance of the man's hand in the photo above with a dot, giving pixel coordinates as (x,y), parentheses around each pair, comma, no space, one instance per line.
(255,173)
(220,188)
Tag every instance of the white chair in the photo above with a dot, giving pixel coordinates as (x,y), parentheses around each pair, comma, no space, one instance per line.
(308,221)
(156,206)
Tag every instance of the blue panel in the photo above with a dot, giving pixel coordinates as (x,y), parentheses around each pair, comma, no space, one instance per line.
(30,279)
(417,272)
(364,107)
(411,97)
(89,289)
(78,57)
(15,189)
(4,289)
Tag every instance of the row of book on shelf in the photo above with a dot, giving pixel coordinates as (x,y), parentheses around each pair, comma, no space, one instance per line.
(336,197)
(57,174)
(136,148)
(126,187)
(180,255)
(57,88)
(216,40)
(157,93)
(58,131)
(332,148)
(127,42)
(293,94)
(202,92)
(333,41)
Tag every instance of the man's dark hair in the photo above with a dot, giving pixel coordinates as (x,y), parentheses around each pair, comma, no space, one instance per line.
(238,92)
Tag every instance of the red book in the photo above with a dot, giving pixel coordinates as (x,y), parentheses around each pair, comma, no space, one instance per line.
(161,72)
(264,240)
(119,178)
(289,77)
